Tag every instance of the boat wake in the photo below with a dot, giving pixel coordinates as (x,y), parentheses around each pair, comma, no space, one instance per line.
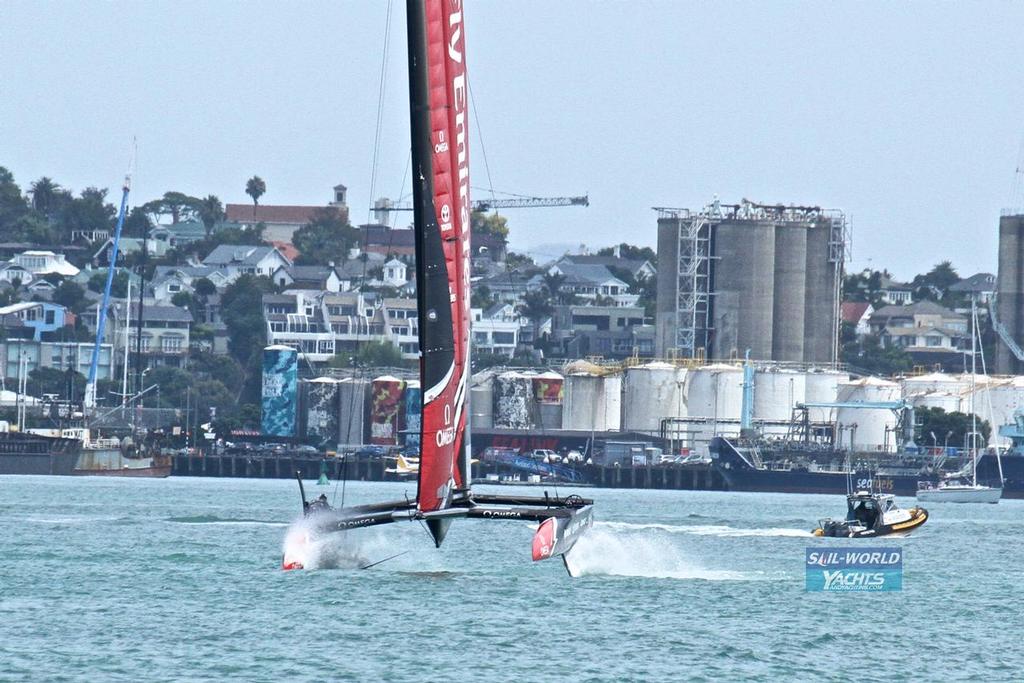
(616,549)
(340,550)
(708,530)
(213,519)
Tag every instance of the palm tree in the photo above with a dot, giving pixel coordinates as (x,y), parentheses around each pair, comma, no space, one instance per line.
(44,195)
(255,188)
(553,283)
(211,212)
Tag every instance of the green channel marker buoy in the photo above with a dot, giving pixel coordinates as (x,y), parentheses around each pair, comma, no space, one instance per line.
(323,480)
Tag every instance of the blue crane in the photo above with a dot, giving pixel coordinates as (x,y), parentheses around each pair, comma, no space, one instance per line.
(101,321)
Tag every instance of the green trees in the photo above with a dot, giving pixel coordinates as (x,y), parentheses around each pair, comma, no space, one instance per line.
(118,287)
(177,205)
(371,354)
(325,238)
(482,223)
(211,212)
(71,295)
(949,428)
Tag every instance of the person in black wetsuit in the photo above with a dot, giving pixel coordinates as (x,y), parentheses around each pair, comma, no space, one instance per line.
(318,505)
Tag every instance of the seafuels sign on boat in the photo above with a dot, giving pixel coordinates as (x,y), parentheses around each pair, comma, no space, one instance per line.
(854,569)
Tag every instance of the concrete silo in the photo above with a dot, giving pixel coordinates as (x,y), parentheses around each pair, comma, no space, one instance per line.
(1010,291)
(749,276)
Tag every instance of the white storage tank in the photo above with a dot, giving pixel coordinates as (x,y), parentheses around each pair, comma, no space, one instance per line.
(591,402)
(996,400)
(652,392)
(776,393)
(872,428)
(935,399)
(513,401)
(715,392)
(481,401)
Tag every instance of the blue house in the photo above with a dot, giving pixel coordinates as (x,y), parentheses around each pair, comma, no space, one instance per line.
(40,316)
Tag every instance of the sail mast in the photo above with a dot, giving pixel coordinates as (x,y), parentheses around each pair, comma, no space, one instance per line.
(440,170)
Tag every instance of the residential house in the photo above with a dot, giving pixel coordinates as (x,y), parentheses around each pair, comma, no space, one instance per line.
(395,273)
(496,330)
(90,236)
(509,287)
(980,286)
(387,241)
(857,313)
(640,269)
(179,234)
(170,280)
(12,272)
(633,342)
(236,260)
(166,330)
(75,356)
(569,321)
(923,326)
(896,293)
(321,324)
(325,278)
(38,316)
(129,245)
(592,282)
(281,222)
(44,263)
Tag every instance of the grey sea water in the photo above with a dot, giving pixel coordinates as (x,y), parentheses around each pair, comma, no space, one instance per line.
(179,580)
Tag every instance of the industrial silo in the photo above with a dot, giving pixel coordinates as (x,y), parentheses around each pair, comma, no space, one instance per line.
(744,288)
(548,395)
(791,290)
(776,393)
(411,417)
(996,400)
(280,391)
(868,429)
(822,386)
(385,404)
(481,400)
(321,411)
(513,401)
(653,392)
(592,401)
(934,399)
(715,392)
(353,406)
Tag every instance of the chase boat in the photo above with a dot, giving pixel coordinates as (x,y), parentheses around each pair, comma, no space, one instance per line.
(871,515)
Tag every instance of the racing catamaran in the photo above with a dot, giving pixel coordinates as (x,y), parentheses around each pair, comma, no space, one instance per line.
(438,98)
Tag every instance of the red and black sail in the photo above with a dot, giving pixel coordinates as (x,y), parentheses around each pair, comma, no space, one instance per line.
(440,166)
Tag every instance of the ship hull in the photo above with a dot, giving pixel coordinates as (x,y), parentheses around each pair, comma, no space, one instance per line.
(30,454)
(109,462)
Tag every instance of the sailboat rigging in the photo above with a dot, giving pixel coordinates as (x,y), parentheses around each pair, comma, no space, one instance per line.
(438,99)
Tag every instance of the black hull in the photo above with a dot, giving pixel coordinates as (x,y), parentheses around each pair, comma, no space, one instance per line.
(30,454)
(769,481)
(739,475)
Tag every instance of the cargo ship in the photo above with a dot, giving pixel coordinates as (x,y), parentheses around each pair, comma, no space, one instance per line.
(745,466)
(22,453)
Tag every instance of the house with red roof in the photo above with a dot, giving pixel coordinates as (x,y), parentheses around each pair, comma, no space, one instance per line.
(282,221)
(857,314)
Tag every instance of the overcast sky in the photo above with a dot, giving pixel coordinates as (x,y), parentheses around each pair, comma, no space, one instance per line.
(907,116)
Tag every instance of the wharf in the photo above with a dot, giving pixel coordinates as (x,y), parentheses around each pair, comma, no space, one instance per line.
(668,476)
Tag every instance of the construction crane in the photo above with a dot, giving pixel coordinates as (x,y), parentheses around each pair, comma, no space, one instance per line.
(382,207)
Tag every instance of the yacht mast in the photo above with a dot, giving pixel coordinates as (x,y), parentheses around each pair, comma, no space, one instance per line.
(974,364)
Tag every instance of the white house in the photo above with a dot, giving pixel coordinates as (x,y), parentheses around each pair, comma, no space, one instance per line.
(496,330)
(237,260)
(395,273)
(10,271)
(44,263)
